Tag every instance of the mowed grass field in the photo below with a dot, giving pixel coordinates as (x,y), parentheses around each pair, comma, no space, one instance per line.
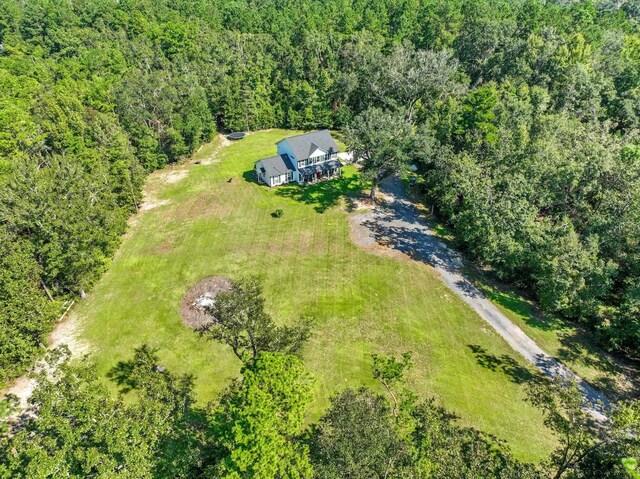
(361,303)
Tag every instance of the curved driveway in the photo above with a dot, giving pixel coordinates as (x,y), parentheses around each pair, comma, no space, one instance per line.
(399,225)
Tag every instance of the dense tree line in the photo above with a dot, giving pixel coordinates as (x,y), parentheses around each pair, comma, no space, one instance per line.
(524,124)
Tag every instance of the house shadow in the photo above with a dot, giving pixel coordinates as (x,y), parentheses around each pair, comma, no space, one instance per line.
(322,195)
(504,364)
(250,177)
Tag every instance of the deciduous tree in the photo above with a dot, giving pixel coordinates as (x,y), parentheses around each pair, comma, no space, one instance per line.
(239,319)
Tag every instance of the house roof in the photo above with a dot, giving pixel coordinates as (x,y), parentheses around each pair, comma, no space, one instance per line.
(305,144)
(275,165)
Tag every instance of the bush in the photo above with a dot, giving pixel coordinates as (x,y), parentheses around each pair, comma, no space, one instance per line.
(277,213)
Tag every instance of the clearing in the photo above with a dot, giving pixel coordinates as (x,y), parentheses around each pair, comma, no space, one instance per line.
(362,303)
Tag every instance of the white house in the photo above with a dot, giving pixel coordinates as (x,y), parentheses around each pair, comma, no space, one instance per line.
(305,158)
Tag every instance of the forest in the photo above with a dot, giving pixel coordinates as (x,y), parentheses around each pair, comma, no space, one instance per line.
(522,117)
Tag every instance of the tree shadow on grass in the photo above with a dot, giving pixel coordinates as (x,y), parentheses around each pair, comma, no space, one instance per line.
(322,195)
(514,302)
(615,375)
(618,377)
(130,375)
(167,399)
(122,374)
(504,363)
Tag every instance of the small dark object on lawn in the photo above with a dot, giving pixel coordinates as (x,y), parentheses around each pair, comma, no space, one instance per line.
(197,162)
(277,213)
(229,180)
(236,135)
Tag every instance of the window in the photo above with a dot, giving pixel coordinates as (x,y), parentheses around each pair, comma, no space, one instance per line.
(290,176)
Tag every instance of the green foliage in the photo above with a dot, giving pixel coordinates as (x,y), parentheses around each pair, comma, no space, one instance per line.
(277,213)
(259,418)
(76,429)
(389,371)
(561,404)
(409,314)
(428,444)
(443,449)
(525,116)
(94,94)
(27,314)
(379,141)
(342,446)
(631,467)
(238,319)
(586,450)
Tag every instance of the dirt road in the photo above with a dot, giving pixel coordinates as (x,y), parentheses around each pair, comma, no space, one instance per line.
(399,225)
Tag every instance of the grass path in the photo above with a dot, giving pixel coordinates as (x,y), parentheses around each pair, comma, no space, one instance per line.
(202,225)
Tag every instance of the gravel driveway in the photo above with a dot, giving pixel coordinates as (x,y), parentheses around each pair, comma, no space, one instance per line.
(400,226)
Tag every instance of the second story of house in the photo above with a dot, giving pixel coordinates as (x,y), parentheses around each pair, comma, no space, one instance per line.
(309,148)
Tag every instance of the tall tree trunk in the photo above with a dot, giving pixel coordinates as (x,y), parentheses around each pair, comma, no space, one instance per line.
(46,290)
(393,397)
(374,186)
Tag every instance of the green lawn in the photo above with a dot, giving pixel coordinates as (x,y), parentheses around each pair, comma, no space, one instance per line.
(563,339)
(361,303)
(567,341)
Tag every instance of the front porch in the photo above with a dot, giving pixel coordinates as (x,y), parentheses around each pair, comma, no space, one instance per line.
(320,172)
(315,178)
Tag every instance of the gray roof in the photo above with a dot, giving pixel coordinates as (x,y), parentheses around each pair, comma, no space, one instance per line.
(305,144)
(275,165)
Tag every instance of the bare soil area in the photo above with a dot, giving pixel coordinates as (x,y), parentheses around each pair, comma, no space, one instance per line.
(199,298)
(213,157)
(65,332)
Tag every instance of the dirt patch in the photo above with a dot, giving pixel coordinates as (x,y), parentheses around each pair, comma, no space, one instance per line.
(206,205)
(149,204)
(165,247)
(68,332)
(174,176)
(362,235)
(198,298)
(213,156)
(355,204)
(169,175)
(65,332)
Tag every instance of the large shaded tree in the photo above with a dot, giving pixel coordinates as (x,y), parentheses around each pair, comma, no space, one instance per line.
(239,319)
(380,144)
(27,313)
(74,428)
(259,420)
(357,438)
